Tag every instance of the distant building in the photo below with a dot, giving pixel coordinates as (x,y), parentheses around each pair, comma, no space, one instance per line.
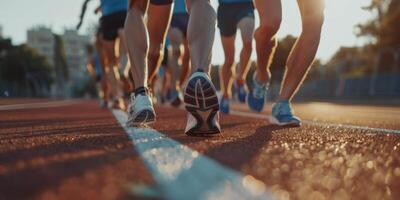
(75,50)
(42,39)
(1,31)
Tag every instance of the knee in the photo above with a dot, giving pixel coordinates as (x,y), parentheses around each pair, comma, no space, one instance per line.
(135,5)
(204,4)
(312,22)
(269,27)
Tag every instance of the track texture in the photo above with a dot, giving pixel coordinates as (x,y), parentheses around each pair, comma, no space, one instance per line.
(80,152)
(68,152)
(311,162)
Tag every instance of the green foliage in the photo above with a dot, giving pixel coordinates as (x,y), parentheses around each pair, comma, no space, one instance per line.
(21,61)
(385,28)
(22,71)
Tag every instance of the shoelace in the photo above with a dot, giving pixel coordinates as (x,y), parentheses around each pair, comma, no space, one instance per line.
(259,91)
(284,109)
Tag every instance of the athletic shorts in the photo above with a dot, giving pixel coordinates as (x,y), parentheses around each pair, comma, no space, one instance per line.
(110,24)
(180,21)
(161,2)
(229,15)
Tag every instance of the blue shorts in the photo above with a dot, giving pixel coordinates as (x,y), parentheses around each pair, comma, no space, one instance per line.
(180,21)
(230,14)
(161,2)
(110,24)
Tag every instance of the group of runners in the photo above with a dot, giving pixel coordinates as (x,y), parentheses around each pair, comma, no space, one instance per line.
(136,37)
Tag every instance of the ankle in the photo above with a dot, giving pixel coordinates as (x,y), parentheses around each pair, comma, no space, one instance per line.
(140,90)
(225,96)
(283,101)
(240,81)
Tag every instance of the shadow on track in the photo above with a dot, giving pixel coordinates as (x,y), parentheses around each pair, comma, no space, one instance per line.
(241,151)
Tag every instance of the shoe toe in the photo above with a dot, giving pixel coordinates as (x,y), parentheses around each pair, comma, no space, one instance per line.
(255,104)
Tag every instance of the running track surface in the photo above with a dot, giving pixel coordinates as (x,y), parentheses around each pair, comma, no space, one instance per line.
(75,150)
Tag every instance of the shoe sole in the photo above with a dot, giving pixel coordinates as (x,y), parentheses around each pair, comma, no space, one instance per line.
(145,117)
(201,101)
(274,121)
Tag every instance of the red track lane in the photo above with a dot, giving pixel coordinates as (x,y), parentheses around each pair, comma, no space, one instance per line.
(69,152)
(80,152)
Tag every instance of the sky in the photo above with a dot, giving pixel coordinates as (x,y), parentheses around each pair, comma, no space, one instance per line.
(340,18)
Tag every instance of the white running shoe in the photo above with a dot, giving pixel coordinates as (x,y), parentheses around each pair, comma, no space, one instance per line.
(201,102)
(140,111)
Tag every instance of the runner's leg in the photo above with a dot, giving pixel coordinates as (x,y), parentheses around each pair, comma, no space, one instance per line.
(299,60)
(246,27)
(270,12)
(137,41)
(104,82)
(200,98)
(141,109)
(228,69)
(158,20)
(176,38)
(201,31)
(186,67)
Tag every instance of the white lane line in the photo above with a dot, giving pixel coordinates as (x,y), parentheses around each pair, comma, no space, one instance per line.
(316,123)
(182,173)
(48,104)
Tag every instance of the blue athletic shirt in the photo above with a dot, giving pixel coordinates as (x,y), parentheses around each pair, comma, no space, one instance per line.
(234,1)
(179,7)
(112,6)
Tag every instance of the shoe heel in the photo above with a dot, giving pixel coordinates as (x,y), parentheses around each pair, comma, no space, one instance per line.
(145,117)
(205,125)
(202,103)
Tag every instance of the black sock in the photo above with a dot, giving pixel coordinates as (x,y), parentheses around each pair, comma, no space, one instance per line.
(200,70)
(140,90)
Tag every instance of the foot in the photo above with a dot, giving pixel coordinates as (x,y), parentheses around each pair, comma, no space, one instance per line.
(282,115)
(140,110)
(114,104)
(256,98)
(225,105)
(201,102)
(103,104)
(176,98)
(242,91)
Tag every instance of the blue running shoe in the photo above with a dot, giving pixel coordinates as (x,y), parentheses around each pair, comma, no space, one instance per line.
(177,98)
(282,115)
(224,105)
(242,93)
(234,89)
(256,98)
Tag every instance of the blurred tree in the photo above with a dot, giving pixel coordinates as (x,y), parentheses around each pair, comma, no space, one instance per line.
(281,54)
(351,61)
(385,27)
(5,44)
(22,67)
